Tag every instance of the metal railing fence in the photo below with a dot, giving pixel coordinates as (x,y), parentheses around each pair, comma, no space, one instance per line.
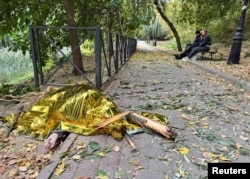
(108,53)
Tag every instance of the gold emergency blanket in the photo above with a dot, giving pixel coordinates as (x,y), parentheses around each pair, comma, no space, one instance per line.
(78,109)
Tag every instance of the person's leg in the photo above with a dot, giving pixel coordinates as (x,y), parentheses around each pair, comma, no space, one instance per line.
(195,50)
(177,56)
(55,139)
(186,51)
(52,141)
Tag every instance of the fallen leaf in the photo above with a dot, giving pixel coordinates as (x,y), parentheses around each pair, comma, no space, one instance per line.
(238,146)
(187,160)
(210,155)
(33,175)
(223,158)
(206,125)
(2,169)
(12,162)
(60,168)
(243,138)
(183,116)
(76,157)
(139,168)
(12,173)
(116,148)
(94,145)
(101,154)
(184,150)
(203,148)
(80,145)
(30,144)
(22,168)
(27,164)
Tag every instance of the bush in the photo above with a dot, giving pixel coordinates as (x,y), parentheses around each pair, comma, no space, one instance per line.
(15,67)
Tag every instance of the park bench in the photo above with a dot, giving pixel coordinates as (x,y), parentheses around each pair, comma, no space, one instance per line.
(211,52)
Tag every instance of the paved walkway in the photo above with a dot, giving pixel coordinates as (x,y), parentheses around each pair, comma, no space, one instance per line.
(210,115)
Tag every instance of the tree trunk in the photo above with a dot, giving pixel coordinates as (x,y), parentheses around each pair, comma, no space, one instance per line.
(110,28)
(170,24)
(110,39)
(74,41)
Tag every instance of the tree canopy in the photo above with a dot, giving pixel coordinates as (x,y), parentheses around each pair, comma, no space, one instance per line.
(123,16)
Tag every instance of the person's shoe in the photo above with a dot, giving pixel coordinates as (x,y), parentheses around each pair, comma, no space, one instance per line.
(177,56)
(185,59)
(194,58)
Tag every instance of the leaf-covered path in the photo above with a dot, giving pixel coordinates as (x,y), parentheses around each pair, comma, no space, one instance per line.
(210,116)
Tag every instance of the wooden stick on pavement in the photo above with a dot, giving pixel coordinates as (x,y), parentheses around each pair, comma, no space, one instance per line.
(152,125)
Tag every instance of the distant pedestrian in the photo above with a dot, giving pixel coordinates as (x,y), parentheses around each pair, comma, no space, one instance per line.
(204,45)
(189,47)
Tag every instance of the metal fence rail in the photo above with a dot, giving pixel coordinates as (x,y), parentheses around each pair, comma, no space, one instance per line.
(110,52)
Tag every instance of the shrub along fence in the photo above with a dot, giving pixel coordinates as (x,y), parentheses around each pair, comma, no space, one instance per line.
(110,52)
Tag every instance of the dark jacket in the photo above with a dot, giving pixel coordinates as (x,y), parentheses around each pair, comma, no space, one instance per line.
(206,41)
(197,41)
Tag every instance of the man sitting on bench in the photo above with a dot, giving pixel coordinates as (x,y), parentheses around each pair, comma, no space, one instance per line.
(203,46)
(190,46)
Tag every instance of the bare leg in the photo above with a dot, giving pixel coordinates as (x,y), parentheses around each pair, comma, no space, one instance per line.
(51,141)
(55,138)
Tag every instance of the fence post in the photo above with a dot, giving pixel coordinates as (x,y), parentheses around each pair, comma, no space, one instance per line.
(98,75)
(125,48)
(116,52)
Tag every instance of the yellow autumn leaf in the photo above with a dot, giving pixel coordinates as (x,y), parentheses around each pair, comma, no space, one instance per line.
(223,158)
(60,168)
(206,125)
(223,136)
(80,145)
(191,123)
(101,154)
(27,164)
(184,150)
(210,155)
(30,145)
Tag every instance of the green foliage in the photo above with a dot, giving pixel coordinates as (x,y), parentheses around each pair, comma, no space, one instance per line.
(15,66)
(173,45)
(57,56)
(87,48)
(17,89)
(154,30)
(218,17)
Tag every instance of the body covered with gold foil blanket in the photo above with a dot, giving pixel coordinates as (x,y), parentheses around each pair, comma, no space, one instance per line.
(79,109)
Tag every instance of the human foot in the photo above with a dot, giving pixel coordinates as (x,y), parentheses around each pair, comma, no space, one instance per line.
(52,141)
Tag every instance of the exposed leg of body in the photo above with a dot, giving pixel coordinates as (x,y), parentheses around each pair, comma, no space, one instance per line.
(55,139)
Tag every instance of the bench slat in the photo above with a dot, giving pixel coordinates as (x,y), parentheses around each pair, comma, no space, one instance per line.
(209,52)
